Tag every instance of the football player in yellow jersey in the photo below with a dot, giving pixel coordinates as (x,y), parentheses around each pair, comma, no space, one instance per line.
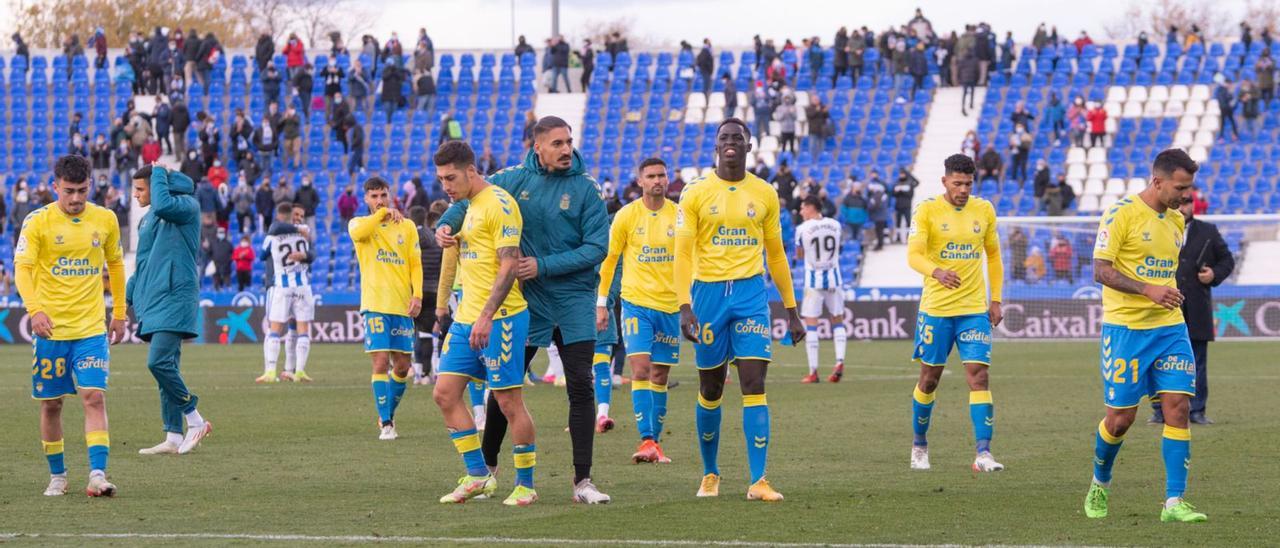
(390,296)
(61,252)
(487,338)
(643,236)
(950,235)
(1145,346)
(729,222)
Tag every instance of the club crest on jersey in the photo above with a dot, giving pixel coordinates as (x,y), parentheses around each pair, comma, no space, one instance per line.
(751,210)
(671,231)
(715,210)
(1146,236)
(977,227)
(58,239)
(946,227)
(639,231)
(96,242)
(524,195)
(564,201)
(400,239)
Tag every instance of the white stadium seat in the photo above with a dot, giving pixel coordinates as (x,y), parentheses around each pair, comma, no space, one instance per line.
(698,100)
(1158,93)
(769,143)
(1076,171)
(716,101)
(693,115)
(1173,108)
(1198,153)
(1210,122)
(1075,155)
(1107,200)
(1114,110)
(1116,94)
(1204,138)
(1153,109)
(1183,139)
(1179,93)
(1189,123)
(1138,93)
(714,116)
(1200,92)
(1114,186)
(1097,155)
(1195,107)
(1211,107)
(1098,171)
(689,173)
(1089,203)
(1093,188)
(1136,184)
(1132,109)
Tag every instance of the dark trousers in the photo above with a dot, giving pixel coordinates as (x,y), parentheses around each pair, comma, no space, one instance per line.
(582,406)
(425,323)
(163,360)
(968,94)
(244,278)
(1200,349)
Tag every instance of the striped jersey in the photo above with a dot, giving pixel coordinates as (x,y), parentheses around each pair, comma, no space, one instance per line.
(820,239)
(283,240)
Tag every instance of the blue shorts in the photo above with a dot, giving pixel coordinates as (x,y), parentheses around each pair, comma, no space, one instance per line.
(1138,362)
(500,364)
(646,331)
(970,334)
(734,318)
(388,333)
(61,367)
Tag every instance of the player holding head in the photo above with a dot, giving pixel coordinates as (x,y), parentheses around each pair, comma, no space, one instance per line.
(290,295)
(643,235)
(486,340)
(390,296)
(61,252)
(1145,346)
(818,243)
(729,220)
(949,236)
(164,292)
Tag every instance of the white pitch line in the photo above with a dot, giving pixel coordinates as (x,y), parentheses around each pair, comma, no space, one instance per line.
(449,540)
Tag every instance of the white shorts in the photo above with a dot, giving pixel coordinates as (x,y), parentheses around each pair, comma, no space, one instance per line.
(814,299)
(285,303)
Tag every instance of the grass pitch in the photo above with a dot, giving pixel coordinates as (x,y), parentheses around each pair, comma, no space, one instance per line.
(305,460)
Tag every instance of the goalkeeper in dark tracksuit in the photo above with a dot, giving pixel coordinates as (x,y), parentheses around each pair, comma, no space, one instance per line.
(565,237)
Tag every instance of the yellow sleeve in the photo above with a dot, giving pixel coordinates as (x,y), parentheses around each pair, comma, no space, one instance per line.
(362,228)
(617,242)
(995,265)
(415,258)
(918,243)
(25,279)
(1110,235)
(115,271)
(776,254)
(448,271)
(686,229)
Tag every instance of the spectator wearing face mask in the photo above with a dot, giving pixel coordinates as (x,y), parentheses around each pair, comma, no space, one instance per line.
(308,198)
(243,255)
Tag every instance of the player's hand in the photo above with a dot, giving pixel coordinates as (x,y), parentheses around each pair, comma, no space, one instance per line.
(41,325)
(602,318)
(394,215)
(688,323)
(795,327)
(297,256)
(996,313)
(526,268)
(442,316)
(480,332)
(1205,275)
(948,278)
(444,237)
(1168,297)
(415,306)
(118,331)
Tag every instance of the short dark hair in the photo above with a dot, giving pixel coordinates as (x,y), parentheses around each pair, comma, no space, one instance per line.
(548,123)
(738,121)
(959,163)
(455,153)
(143,173)
(651,161)
(284,207)
(72,169)
(812,201)
(1173,159)
(376,183)
(418,215)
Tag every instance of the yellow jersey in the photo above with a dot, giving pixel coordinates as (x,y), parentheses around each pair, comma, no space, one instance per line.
(1142,245)
(492,222)
(65,256)
(956,238)
(646,242)
(390,263)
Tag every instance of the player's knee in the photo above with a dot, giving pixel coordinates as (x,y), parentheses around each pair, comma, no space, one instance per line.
(928,384)
(93,399)
(510,403)
(51,407)
(978,379)
(711,389)
(659,375)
